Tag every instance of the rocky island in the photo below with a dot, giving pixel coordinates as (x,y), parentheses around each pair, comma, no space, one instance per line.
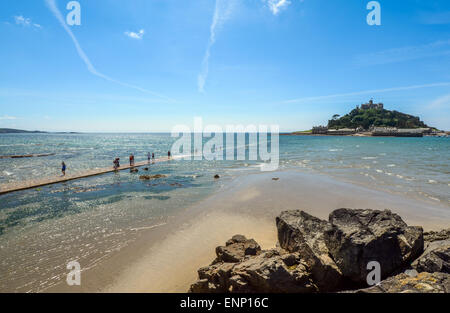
(316,256)
(372,119)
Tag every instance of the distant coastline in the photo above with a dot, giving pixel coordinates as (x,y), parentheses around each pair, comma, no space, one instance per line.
(21,131)
(360,134)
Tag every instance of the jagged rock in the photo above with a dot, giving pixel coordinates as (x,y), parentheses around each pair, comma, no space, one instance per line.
(403,283)
(436,258)
(301,232)
(436,235)
(272,271)
(150,177)
(357,237)
(268,273)
(213,278)
(236,249)
(201,286)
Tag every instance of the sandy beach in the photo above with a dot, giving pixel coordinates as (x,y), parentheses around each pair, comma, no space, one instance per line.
(166,258)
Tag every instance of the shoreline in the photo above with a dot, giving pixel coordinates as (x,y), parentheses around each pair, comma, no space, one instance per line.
(443,135)
(166,258)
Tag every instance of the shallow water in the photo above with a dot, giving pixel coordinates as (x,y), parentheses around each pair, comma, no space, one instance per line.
(415,167)
(44,228)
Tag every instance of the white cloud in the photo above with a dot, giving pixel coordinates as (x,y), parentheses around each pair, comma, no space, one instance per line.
(139,35)
(8,118)
(222,12)
(24,21)
(20,20)
(52,6)
(277,5)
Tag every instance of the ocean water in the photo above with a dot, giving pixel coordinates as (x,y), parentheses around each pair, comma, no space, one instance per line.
(414,167)
(43,229)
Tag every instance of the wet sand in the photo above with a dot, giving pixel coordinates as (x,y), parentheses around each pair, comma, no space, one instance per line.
(166,258)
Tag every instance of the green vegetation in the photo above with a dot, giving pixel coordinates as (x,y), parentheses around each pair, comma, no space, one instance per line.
(375,117)
(303,132)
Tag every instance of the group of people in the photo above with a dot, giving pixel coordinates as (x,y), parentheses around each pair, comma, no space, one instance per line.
(150,157)
(116,162)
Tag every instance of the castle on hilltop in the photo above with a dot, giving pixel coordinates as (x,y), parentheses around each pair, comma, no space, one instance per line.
(371,105)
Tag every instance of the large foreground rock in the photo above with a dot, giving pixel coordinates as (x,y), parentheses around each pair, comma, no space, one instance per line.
(301,232)
(420,283)
(325,256)
(436,258)
(357,237)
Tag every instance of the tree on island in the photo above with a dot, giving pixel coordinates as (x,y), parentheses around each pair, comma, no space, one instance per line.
(367,118)
(335,117)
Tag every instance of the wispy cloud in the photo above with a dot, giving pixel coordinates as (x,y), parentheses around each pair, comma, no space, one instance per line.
(7,118)
(441,102)
(365,92)
(25,21)
(52,6)
(277,5)
(437,48)
(139,35)
(222,13)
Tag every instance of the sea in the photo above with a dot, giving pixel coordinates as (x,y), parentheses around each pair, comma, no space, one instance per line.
(41,229)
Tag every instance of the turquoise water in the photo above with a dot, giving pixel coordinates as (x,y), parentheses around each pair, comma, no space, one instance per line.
(44,228)
(415,167)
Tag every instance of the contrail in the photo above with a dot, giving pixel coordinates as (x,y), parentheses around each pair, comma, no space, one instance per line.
(52,6)
(368,92)
(222,12)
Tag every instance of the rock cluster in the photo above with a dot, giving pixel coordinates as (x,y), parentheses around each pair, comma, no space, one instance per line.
(417,283)
(150,177)
(435,258)
(437,235)
(315,255)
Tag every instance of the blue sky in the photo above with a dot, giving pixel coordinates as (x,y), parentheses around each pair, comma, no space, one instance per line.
(147,65)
